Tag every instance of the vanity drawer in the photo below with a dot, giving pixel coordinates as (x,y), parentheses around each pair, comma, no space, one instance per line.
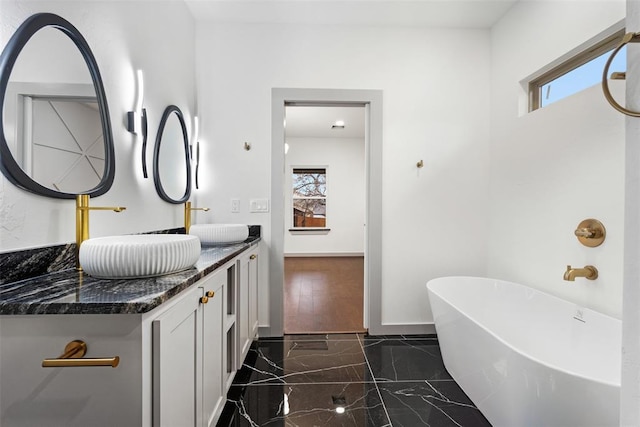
(31,394)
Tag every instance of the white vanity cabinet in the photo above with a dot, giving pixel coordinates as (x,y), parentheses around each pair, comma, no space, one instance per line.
(188,356)
(176,361)
(247,301)
(31,395)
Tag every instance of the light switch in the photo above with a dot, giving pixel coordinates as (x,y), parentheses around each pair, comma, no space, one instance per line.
(235,205)
(259,205)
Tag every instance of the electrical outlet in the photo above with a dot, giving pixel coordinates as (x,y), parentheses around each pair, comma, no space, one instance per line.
(259,205)
(235,205)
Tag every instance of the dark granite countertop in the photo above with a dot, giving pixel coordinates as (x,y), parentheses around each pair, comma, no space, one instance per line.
(71,292)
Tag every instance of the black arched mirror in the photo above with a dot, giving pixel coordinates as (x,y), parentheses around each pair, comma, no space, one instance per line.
(55,131)
(171,159)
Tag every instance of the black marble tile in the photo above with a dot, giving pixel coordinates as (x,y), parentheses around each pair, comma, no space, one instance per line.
(405,360)
(306,359)
(306,405)
(430,403)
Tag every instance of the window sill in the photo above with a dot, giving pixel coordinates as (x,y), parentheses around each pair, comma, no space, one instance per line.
(296,231)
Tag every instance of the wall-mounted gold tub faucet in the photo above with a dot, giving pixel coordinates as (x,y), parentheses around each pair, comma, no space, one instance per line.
(187,215)
(82,220)
(589,272)
(590,232)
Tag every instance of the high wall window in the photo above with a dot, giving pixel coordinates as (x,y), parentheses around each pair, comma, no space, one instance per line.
(577,73)
(309,197)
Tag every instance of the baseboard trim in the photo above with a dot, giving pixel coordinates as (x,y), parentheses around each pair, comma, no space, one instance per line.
(403,329)
(386,329)
(323,254)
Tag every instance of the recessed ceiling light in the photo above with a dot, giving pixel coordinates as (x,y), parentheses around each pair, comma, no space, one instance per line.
(339,124)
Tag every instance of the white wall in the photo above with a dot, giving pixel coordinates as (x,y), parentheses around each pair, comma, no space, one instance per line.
(630,390)
(554,167)
(344,160)
(123,36)
(436,108)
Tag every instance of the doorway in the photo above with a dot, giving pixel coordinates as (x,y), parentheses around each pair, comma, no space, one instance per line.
(273,323)
(324,219)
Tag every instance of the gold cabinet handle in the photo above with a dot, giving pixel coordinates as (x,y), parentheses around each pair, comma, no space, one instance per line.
(210,294)
(73,356)
(253,256)
(204,300)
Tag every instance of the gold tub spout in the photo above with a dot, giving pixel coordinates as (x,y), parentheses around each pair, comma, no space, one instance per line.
(588,272)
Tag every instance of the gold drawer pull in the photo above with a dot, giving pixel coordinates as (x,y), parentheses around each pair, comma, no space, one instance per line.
(210,294)
(204,300)
(73,356)
(253,256)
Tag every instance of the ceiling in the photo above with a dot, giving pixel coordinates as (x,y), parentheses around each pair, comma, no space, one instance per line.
(316,122)
(406,13)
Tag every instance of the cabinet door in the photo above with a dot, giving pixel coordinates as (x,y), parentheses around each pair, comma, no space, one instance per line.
(253,292)
(213,390)
(244,340)
(177,385)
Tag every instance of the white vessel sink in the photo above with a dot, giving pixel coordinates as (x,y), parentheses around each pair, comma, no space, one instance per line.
(216,234)
(137,256)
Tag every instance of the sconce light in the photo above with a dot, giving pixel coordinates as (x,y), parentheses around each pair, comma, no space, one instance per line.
(196,135)
(134,118)
(137,119)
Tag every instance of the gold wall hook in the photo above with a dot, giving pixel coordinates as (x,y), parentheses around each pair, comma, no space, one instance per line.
(73,355)
(247,146)
(590,232)
(420,164)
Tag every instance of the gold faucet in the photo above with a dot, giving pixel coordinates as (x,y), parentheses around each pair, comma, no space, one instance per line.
(589,272)
(187,215)
(82,220)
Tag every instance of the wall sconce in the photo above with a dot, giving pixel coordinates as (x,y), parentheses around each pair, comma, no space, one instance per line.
(137,119)
(196,135)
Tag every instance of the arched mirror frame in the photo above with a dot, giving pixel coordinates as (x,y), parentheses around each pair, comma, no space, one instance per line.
(171,109)
(10,168)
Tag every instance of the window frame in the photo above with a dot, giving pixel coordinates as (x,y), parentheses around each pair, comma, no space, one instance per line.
(535,85)
(294,197)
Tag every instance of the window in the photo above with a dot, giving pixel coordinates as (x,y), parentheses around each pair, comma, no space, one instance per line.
(579,72)
(309,197)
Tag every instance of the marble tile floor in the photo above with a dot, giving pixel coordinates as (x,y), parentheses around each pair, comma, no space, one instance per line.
(347,380)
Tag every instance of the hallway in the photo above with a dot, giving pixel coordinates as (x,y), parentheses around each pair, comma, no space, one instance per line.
(323,295)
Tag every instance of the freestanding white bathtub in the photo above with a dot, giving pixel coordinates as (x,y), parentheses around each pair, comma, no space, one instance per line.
(527,358)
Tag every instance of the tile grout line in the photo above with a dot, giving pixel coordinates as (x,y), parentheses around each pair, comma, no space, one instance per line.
(366,359)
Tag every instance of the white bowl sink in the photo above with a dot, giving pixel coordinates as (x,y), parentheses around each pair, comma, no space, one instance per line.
(216,234)
(137,256)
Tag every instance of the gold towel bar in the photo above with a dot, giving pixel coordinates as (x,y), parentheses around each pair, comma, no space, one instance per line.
(73,356)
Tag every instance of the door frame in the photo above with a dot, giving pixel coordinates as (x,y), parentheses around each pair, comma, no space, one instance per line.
(372,100)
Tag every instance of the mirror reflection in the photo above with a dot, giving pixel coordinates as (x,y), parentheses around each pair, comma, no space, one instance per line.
(54,117)
(51,116)
(172,170)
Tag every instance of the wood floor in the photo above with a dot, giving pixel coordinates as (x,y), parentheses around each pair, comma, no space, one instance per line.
(323,295)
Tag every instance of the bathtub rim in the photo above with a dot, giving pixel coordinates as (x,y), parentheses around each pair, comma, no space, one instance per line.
(510,346)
